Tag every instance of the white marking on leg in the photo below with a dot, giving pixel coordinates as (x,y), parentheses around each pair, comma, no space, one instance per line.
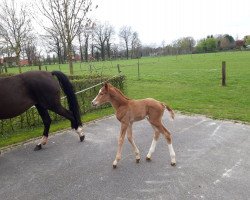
(172,153)
(115,162)
(136,150)
(80,131)
(152,148)
(137,153)
(44,141)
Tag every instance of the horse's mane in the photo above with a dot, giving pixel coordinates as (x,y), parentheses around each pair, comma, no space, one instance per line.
(119,91)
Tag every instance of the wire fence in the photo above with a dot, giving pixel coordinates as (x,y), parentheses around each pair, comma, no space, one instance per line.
(86,89)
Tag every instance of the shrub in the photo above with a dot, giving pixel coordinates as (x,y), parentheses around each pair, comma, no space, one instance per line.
(88,87)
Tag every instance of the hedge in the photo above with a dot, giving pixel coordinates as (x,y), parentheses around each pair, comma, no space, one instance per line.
(31,118)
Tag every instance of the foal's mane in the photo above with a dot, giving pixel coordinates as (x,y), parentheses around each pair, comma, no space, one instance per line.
(119,92)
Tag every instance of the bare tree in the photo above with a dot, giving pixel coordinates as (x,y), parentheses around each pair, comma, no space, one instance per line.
(102,37)
(125,34)
(184,45)
(110,32)
(66,17)
(135,45)
(86,46)
(15,27)
(30,51)
(85,35)
(55,43)
(80,45)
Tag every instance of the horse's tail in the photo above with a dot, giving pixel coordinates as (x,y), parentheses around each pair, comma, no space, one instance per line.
(68,89)
(170,111)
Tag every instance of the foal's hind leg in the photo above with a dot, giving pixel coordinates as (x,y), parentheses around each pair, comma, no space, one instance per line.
(170,146)
(132,142)
(46,121)
(68,115)
(153,144)
(168,137)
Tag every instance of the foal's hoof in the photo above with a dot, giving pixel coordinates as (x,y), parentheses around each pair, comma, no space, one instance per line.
(173,164)
(82,138)
(114,166)
(38,147)
(137,160)
(148,159)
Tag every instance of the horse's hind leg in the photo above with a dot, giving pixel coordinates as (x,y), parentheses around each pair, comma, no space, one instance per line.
(68,115)
(153,144)
(46,121)
(132,142)
(168,137)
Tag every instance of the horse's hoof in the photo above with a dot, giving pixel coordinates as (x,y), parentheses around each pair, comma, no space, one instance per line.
(82,138)
(38,147)
(137,160)
(173,164)
(148,159)
(114,166)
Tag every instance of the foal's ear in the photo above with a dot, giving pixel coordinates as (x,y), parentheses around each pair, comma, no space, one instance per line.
(105,84)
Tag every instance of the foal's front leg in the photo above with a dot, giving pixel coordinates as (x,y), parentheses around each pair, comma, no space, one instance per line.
(132,142)
(120,143)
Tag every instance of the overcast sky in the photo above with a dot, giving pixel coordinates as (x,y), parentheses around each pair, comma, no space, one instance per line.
(168,20)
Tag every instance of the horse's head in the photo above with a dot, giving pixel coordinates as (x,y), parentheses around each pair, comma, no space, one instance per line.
(103,96)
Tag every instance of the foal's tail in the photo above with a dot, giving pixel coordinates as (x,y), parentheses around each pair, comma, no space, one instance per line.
(169,110)
(68,89)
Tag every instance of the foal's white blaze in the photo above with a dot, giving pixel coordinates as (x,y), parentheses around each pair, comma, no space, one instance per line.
(80,131)
(172,153)
(152,148)
(94,102)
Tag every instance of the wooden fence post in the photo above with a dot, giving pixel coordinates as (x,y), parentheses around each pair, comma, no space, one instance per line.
(118,68)
(223,80)
(138,69)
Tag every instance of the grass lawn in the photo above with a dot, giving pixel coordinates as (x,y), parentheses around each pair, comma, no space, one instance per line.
(187,83)
(26,134)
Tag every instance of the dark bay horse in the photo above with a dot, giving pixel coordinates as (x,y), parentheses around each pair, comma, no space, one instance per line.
(20,92)
(129,111)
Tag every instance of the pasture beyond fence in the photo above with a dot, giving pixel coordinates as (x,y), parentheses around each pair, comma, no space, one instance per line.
(86,88)
(189,83)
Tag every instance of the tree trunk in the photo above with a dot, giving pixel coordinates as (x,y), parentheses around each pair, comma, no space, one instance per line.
(70,58)
(127,50)
(108,50)
(18,62)
(86,46)
(103,51)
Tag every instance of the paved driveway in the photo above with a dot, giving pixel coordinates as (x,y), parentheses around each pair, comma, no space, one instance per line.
(213,162)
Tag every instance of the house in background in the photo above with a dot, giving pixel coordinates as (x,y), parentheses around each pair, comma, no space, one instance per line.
(9,61)
(1,61)
(24,62)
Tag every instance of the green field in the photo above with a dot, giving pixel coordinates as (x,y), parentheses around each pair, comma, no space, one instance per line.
(188,83)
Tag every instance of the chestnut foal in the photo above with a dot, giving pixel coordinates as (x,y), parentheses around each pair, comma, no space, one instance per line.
(129,111)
